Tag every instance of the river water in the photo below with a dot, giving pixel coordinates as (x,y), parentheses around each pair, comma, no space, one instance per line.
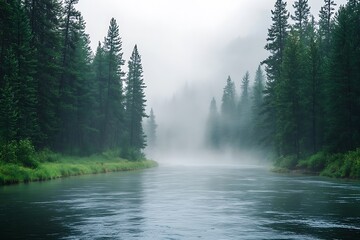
(182,203)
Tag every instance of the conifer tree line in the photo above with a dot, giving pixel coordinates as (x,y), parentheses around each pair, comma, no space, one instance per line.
(310,100)
(235,124)
(55,92)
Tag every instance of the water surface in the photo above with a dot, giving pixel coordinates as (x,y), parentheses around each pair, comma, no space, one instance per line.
(182,203)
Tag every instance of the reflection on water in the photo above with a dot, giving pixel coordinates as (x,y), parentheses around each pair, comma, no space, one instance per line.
(183,203)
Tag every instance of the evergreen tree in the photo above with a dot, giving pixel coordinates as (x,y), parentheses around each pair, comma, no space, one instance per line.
(312,93)
(112,128)
(18,67)
(45,20)
(276,40)
(243,120)
(343,105)
(301,17)
(228,113)
(151,130)
(9,113)
(213,127)
(257,106)
(289,110)
(325,23)
(228,99)
(135,101)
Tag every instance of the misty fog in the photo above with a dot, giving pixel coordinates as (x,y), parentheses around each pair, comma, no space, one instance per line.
(188,49)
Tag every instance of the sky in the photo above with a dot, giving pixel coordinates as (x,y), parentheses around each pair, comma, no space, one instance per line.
(187,42)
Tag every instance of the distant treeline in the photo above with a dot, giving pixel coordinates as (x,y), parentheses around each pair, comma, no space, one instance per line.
(310,100)
(55,92)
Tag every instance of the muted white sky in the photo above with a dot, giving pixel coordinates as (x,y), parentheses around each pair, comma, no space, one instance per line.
(187,41)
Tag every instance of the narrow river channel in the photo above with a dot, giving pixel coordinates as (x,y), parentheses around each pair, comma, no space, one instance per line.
(182,203)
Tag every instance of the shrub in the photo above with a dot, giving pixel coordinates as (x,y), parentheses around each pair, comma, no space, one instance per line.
(288,162)
(21,152)
(26,154)
(8,152)
(46,155)
(132,154)
(316,162)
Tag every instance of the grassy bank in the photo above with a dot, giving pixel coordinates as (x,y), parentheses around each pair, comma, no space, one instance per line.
(52,165)
(341,165)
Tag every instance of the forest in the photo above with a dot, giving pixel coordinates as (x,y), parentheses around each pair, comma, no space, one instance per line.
(306,111)
(56,95)
(302,108)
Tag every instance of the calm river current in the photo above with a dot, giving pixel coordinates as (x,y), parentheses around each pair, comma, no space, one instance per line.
(182,203)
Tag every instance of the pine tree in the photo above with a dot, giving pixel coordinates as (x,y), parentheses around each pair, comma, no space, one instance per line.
(135,101)
(311,91)
(276,40)
(257,107)
(301,17)
(228,113)
(45,19)
(19,67)
(151,130)
(325,23)
(243,120)
(343,105)
(228,99)
(289,110)
(213,127)
(112,128)
(9,113)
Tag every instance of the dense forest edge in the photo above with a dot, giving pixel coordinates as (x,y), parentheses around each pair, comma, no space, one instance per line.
(61,103)
(46,165)
(304,111)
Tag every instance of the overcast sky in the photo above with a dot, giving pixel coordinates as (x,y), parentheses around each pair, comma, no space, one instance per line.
(187,41)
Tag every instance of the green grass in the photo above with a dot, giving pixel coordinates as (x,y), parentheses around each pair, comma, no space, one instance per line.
(52,165)
(339,165)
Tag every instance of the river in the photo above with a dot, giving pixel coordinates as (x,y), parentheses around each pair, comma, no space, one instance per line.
(171,202)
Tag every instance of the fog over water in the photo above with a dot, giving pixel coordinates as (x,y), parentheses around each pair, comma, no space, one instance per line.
(188,49)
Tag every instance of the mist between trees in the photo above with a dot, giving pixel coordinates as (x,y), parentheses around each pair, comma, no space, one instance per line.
(56,93)
(310,101)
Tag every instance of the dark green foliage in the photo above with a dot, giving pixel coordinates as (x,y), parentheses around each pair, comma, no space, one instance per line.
(276,42)
(301,17)
(288,135)
(19,152)
(314,98)
(112,129)
(135,102)
(53,91)
(314,163)
(343,113)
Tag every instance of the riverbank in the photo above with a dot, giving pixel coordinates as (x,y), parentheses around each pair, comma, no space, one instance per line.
(64,166)
(340,165)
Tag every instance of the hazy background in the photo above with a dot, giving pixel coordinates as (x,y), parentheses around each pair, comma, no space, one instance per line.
(188,49)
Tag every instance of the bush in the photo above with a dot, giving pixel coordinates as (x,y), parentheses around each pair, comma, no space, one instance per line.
(21,152)
(316,162)
(351,167)
(46,155)
(26,154)
(288,162)
(8,152)
(132,154)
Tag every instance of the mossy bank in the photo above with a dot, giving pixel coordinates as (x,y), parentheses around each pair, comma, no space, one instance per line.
(20,163)
(340,165)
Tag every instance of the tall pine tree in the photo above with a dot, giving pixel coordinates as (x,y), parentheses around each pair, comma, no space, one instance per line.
(135,101)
